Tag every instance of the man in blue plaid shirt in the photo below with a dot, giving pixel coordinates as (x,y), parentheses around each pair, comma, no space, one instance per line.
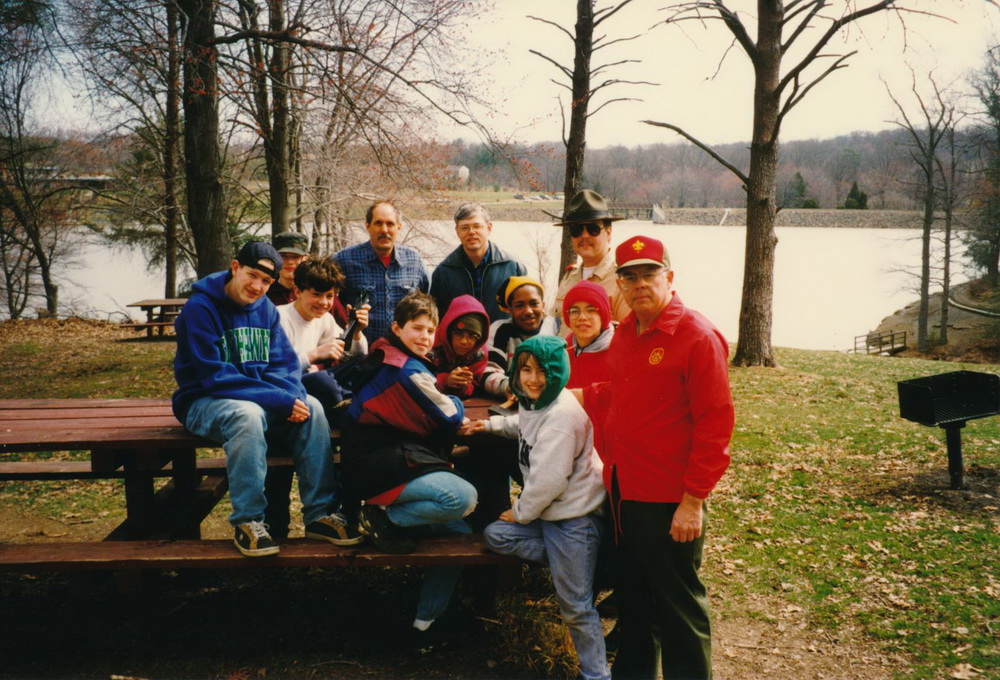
(380,268)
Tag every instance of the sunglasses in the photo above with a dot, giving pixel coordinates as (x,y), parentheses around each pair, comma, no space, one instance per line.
(593,228)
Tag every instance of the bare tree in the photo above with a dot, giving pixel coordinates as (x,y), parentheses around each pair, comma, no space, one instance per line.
(583,89)
(780,26)
(926,134)
(130,54)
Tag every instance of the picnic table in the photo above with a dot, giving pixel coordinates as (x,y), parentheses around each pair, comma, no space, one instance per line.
(141,442)
(160,313)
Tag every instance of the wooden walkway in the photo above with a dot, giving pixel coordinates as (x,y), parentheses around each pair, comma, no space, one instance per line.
(887,343)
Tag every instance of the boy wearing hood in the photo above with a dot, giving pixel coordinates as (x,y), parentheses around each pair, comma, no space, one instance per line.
(238,384)
(555,520)
(459,343)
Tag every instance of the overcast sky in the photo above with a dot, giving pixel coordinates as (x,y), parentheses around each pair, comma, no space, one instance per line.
(713,103)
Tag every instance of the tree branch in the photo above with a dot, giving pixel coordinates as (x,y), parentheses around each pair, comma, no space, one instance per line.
(704,147)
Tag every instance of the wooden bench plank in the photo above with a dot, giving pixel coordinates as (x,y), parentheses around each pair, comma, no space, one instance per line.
(205,554)
(81,469)
(84,413)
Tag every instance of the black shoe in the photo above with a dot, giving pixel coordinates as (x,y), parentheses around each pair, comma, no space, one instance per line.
(333,528)
(385,535)
(253,540)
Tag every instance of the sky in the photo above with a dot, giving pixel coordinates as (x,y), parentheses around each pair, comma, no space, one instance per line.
(713,103)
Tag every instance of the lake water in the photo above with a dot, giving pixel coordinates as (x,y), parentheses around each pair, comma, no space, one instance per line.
(830,284)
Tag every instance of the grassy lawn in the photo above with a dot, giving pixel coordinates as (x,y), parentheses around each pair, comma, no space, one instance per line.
(833,504)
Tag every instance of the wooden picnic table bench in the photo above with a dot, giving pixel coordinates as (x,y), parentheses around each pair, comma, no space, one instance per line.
(139,441)
(160,314)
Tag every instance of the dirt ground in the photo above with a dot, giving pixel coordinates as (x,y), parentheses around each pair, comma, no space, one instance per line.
(339,623)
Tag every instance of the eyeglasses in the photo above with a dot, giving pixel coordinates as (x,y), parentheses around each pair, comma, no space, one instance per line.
(575,312)
(593,228)
(466,228)
(629,280)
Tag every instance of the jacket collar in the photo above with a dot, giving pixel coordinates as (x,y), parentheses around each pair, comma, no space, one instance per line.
(373,256)
(458,258)
(605,267)
(667,321)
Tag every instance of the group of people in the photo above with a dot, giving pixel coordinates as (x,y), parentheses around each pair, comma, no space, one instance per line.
(623,418)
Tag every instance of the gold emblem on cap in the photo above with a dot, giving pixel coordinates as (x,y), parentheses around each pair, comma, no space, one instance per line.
(638,245)
(656,356)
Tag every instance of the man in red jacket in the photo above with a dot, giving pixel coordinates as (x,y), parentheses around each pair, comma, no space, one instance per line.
(668,419)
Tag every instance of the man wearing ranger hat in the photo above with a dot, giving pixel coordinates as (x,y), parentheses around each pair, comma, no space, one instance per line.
(667,415)
(589,224)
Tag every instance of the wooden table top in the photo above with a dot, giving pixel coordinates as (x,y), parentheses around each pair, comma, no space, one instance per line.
(153,302)
(61,424)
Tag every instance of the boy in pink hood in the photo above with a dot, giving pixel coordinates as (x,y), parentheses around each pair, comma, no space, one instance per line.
(458,347)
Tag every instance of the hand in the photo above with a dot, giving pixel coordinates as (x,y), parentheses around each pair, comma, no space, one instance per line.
(362,316)
(687,520)
(472,427)
(459,378)
(330,351)
(300,412)
(508,516)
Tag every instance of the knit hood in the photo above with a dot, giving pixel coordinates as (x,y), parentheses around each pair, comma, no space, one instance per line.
(460,306)
(550,351)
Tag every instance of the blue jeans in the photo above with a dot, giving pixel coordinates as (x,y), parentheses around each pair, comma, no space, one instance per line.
(569,548)
(436,503)
(245,430)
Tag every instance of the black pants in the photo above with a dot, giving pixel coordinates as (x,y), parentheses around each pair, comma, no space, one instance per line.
(663,606)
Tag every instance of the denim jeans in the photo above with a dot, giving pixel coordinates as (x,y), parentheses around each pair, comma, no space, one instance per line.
(569,548)
(436,503)
(245,430)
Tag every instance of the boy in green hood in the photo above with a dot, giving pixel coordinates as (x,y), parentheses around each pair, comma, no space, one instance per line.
(554,521)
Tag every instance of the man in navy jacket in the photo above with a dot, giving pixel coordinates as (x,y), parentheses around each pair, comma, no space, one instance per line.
(477,267)
(238,384)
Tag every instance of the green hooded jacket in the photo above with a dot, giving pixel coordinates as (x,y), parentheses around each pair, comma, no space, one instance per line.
(550,351)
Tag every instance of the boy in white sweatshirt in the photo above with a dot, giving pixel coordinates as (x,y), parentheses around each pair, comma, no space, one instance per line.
(554,521)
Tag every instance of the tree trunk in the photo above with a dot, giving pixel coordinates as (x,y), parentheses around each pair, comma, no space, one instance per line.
(171,139)
(923,335)
(202,158)
(276,149)
(753,347)
(576,143)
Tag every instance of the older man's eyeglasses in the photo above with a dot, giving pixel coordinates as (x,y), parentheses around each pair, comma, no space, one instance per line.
(629,280)
(593,228)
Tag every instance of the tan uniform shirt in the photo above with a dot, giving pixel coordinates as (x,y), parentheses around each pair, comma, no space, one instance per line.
(604,274)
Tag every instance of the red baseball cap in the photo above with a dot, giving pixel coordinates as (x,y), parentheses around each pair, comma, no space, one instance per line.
(641,250)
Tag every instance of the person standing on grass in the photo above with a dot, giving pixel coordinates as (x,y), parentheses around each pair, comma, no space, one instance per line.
(555,519)
(238,385)
(668,419)
(383,270)
(477,267)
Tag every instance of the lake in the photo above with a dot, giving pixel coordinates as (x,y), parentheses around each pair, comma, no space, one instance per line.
(830,284)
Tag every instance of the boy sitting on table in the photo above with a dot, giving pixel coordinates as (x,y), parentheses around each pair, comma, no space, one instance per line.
(396,440)
(238,385)
(315,335)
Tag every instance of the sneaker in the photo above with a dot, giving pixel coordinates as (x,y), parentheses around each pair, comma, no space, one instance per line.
(333,528)
(252,540)
(386,536)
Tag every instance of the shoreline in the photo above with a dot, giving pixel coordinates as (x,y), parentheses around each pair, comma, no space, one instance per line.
(736,217)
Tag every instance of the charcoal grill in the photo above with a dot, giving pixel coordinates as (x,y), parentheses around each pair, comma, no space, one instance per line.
(948,401)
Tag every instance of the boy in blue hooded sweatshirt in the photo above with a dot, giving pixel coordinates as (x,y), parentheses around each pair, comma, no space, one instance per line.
(555,520)
(238,384)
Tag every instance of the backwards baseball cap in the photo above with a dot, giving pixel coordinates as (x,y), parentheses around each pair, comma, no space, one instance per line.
(641,250)
(291,242)
(252,253)
(512,283)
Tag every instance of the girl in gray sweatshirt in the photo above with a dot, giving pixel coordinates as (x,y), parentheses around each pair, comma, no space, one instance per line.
(554,521)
